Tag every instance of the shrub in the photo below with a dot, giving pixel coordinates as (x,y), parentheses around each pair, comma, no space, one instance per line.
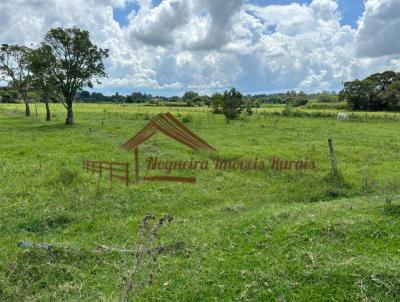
(187,119)
(232,104)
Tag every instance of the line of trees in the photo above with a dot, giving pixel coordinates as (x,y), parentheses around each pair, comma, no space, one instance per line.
(65,62)
(189,98)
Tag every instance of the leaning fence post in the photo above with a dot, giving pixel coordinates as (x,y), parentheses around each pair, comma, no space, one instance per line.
(333,159)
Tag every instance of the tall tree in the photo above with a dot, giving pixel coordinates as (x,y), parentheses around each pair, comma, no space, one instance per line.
(357,94)
(40,61)
(377,92)
(76,63)
(390,96)
(14,70)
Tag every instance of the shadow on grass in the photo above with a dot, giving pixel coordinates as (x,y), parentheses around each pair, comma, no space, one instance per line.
(52,126)
(41,225)
(392,210)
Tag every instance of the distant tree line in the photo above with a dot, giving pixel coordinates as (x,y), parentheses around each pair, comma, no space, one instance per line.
(8,95)
(189,98)
(377,92)
(192,99)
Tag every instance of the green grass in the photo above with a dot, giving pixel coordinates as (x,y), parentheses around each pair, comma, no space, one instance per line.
(248,236)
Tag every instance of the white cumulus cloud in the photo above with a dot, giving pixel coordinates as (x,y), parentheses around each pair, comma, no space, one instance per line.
(209,45)
(379,29)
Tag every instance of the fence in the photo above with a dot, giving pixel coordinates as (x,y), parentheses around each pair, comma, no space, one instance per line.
(358,115)
(113,170)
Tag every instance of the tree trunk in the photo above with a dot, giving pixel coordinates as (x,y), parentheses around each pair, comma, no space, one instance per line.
(27,109)
(47,110)
(24,96)
(70,114)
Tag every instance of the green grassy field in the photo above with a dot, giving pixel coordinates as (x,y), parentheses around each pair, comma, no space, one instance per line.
(243,235)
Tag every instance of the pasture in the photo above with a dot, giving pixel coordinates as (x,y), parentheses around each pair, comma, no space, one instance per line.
(239,235)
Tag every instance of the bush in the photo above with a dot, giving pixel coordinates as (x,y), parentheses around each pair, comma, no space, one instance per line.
(288,109)
(326,98)
(314,104)
(300,101)
(187,119)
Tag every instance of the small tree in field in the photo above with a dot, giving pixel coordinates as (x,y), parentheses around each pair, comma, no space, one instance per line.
(14,70)
(216,103)
(40,60)
(232,104)
(75,63)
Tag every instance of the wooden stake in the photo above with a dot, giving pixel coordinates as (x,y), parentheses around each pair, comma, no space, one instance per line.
(34,137)
(127,175)
(137,164)
(333,159)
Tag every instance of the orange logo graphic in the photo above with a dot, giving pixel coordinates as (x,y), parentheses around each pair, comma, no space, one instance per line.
(173,128)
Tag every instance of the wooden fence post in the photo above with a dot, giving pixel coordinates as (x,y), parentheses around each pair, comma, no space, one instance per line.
(127,175)
(111,172)
(333,159)
(137,164)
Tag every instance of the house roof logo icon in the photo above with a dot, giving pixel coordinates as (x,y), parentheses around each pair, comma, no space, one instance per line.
(170,126)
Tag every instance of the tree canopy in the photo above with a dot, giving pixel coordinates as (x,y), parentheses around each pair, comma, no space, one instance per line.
(76,62)
(378,92)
